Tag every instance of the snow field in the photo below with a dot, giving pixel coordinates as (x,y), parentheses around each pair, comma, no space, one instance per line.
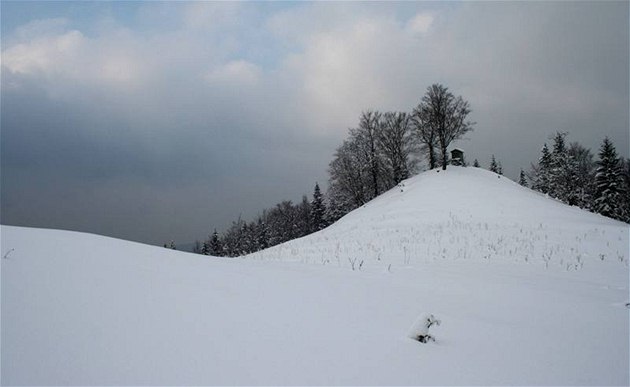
(529,292)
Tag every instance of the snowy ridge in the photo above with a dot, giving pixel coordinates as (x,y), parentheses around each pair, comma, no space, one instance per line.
(495,263)
(461,214)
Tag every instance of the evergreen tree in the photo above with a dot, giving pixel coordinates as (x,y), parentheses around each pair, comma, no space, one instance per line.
(610,186)
(262,241)
(304,226)
(521,179)
(214,246)
(246,240)
(560,169)
(541,172)
(494,167)
(318,210)
(626,179)
(339,203)
(197,248)
(499,168)
(205,248)
(476,164)
(579,176)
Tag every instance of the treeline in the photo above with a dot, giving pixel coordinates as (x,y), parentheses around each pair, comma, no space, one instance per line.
(284,222)
(569,173)
(384,149)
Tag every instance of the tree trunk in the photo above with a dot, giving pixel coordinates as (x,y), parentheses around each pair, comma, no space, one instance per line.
(431,157)
(444,158)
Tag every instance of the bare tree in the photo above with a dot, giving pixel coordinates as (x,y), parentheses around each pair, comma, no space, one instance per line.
(347,178)
(420,120)
(441,118)
(396,146)
(366,138)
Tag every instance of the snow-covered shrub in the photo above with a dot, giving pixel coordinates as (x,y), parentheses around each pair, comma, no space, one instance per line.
(420,329)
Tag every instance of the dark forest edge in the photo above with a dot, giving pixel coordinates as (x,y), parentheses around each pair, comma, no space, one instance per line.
(387,148)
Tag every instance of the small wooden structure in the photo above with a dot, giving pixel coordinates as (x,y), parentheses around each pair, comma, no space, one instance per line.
(457,157)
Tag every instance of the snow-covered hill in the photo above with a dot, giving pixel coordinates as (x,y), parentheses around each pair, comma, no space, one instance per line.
(461,214)
(528,291)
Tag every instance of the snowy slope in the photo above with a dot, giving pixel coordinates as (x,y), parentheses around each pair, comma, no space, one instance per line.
(461,214)
(496,263)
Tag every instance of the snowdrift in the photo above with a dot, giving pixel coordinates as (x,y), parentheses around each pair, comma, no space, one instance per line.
(527,291)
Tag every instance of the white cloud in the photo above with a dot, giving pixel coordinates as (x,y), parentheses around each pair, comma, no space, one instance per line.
(41,27)
(199,87)
(202,14)
(237,72)
(44,54)
(420,23)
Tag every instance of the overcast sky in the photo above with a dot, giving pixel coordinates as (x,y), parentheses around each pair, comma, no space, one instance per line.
(156,121)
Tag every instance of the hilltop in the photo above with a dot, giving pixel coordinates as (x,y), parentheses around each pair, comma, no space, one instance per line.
(461,214)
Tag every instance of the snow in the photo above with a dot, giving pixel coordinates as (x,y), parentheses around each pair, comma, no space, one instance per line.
(528,291)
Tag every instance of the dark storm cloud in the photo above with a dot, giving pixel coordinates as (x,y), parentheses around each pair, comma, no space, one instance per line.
(181,117)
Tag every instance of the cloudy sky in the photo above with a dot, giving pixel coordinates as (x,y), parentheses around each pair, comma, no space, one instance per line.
(156,121)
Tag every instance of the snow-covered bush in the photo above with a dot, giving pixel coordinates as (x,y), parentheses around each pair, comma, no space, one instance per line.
(420,329)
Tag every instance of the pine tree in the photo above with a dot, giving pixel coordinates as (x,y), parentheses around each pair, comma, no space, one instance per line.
(522,180)
(205,248)
(559,169)
(304,226)
(610,186)
(499,168)
(318,210)
(494,167)
(262,241)
(339,203)
(582,179)
(541,179)
(476,164)
(626,179)
(214,245)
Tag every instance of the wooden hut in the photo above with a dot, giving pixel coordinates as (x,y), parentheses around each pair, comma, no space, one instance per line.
(457,157)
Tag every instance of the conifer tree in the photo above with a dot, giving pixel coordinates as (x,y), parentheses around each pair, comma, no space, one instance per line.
(318,210)
(214,245)
(610,191)
(541,172)
(304,216)
(521,179)
(205,248)
(560,169)
(476,164)
(494,167)
(626,179)
(262,241)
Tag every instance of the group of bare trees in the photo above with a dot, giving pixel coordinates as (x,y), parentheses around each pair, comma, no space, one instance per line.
(386,148)
(383,150)
(438,120)
(376,156)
